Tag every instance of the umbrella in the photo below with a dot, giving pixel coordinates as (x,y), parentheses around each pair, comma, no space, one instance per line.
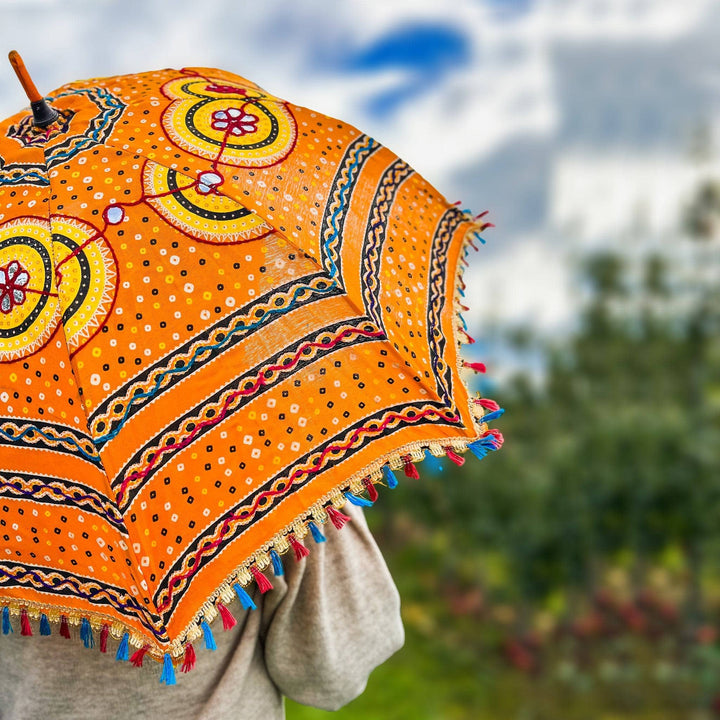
(222,317)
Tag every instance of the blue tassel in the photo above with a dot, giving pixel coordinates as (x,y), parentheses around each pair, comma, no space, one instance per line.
(462,292)
(433,461)
(168,671)
(45,625)
(390,478)
(477,237)
(122,651)
(462,320)
(209,639)
(493,415)
(7,627)
(245,600)
(355,500)
(277,564)
(318,537)
(86,634)
(480,448)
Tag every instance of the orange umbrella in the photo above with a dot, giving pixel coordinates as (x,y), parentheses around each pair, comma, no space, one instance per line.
(222,317)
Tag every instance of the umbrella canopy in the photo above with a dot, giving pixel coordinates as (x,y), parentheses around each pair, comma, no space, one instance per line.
(222,316)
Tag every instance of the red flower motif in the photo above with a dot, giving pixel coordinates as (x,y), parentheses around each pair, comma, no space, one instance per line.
(235,121)
(13,282)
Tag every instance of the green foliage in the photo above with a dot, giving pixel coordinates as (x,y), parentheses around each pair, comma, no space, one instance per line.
(610,466)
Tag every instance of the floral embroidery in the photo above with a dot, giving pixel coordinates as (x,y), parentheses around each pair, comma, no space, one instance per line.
(13,283)
(235,121)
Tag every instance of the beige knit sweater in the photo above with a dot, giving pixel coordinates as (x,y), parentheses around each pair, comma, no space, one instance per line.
(315,638)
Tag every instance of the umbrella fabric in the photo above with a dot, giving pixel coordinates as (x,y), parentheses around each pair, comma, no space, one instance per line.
(222,317)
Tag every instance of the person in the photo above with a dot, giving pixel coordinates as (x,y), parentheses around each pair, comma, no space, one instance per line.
(316,637)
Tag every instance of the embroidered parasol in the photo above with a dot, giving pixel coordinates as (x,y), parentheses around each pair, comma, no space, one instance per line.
(222,317)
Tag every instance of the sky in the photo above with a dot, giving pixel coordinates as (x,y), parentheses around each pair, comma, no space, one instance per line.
(560,117)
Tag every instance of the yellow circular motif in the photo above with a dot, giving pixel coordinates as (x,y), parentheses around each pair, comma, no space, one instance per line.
(199,210)
(29,307)
(229,123)
(86,271)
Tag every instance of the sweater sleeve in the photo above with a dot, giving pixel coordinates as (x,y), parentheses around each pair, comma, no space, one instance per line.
(338,620)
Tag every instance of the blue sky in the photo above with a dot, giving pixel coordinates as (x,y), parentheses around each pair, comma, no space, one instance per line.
(425,52)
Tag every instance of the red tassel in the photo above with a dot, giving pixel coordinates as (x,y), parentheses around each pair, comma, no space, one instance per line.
(26,628)
(103,637)
(470,339)
(486,226)
(477,367)
(300,550)
(138,655)
(452,455)
(370,487)
(499,439)
(410,470)
(228,619)
(457,203)
(482,214)
(487,403)
(262,582)
(64,627)
(189,661)
(473,245)
(337,518)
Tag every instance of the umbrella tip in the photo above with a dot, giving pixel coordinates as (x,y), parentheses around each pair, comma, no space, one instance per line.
(43,114)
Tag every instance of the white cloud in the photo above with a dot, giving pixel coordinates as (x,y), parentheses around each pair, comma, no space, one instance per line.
(600,199)
(507,91)
(525,283)
(621,19)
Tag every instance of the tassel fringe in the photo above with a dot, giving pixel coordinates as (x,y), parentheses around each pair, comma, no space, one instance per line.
(45,625)
(190,658)
(104,637)
(277,564)
(410,470)
(245,600)
(6,626)
(168,671)
(262,582)
(86,634)
(371,489)
(476,366)
(64,627)
(228,619)
(123,648)
(337,518)
(138,655)
(357,500)
(490,441)
(25,627)
(318,537)
(300,550)
(208,635)
(459,460)
(434,462)
(390,478)
(489,417)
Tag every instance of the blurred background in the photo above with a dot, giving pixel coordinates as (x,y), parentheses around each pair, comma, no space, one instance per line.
(575,574)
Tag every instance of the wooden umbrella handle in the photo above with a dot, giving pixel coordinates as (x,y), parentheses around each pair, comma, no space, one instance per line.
(24,77)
